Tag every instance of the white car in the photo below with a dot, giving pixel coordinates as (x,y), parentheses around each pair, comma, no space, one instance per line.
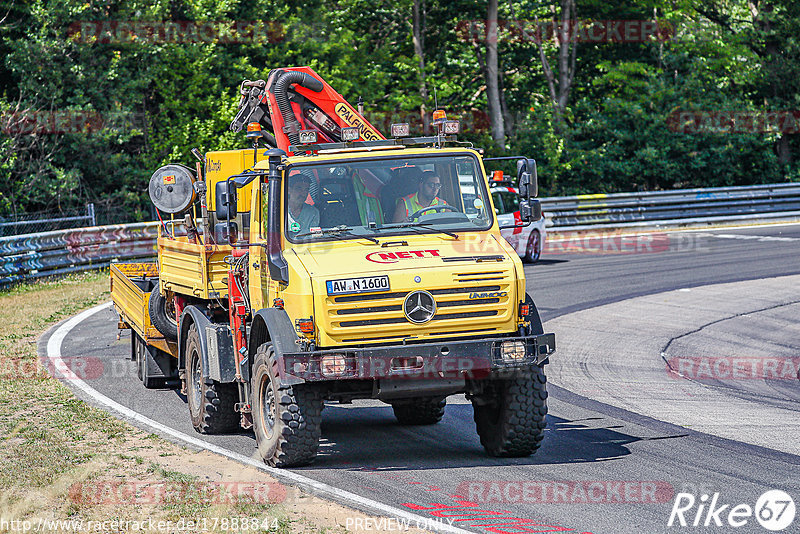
(528,241)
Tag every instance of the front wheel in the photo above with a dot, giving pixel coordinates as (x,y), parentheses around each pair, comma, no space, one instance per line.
(510,414)
(287,420)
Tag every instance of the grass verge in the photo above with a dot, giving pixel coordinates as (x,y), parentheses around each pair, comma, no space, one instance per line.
(68,467)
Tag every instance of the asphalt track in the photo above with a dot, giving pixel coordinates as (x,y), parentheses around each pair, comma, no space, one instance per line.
(605,466)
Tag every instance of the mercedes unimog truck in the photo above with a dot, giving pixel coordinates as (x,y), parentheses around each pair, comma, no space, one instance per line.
(329,263)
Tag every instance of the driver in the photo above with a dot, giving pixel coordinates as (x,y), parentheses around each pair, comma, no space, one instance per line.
(427,189)
(302,216)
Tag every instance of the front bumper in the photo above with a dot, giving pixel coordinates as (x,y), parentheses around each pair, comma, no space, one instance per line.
(438,360)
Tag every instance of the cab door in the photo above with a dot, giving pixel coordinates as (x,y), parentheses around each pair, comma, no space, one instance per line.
(260,282)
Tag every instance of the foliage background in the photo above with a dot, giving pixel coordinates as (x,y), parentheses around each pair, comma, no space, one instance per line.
(158,100)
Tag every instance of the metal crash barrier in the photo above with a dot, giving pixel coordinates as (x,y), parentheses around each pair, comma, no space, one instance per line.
(675,207)
(30,256)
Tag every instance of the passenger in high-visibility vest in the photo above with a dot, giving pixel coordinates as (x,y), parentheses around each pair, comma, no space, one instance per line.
(426,195)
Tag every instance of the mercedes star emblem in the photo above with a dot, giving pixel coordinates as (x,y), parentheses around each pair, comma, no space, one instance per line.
(419,307)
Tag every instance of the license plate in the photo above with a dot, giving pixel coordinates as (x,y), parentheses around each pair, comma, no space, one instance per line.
(363,284)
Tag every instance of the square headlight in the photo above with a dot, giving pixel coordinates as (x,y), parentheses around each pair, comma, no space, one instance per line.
(513,351)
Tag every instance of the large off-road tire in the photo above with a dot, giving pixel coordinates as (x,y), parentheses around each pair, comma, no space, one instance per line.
(211,404)
(510,415)
(162,315)
(143,367)
(422,411)
(287,420)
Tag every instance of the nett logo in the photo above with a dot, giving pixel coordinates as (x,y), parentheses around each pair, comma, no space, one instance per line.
(394,257)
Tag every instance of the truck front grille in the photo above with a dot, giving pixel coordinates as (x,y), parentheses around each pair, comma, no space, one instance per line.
(356,317)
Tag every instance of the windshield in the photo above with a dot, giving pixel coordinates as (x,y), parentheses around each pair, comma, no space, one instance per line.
(385,196)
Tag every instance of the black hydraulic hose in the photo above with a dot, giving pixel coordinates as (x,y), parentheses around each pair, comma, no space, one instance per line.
(269,139)
(281,97)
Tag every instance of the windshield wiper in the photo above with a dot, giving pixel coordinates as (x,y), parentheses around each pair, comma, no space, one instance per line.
(338,230)
(418,225)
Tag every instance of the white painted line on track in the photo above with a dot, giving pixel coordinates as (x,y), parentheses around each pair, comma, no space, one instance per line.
(553,232)
(750,237)
(316,487)
(765,225)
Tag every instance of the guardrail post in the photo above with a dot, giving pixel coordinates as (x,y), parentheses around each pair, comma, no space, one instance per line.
(90,213)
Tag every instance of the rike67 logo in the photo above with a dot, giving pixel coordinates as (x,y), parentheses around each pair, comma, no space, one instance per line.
(774,510)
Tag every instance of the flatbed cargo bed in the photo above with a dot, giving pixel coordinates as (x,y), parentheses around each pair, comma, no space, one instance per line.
(131,284)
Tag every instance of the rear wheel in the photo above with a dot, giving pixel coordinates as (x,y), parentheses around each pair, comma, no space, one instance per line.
(424,411)
(211,404)
(510,415)
(533,250)
(138,346)
(287,420)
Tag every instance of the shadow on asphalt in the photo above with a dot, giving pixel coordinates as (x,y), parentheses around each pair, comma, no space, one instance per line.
(370,437)
(355,437)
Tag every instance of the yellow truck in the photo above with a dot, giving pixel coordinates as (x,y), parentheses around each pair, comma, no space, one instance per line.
(324,266)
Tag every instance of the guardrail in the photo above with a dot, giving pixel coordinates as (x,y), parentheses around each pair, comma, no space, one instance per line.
(29,256)
(24,257)
(670,207)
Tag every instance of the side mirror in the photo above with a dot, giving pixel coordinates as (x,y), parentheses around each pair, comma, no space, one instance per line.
(225,200)
(528,178)
(530,210)
(525,214)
